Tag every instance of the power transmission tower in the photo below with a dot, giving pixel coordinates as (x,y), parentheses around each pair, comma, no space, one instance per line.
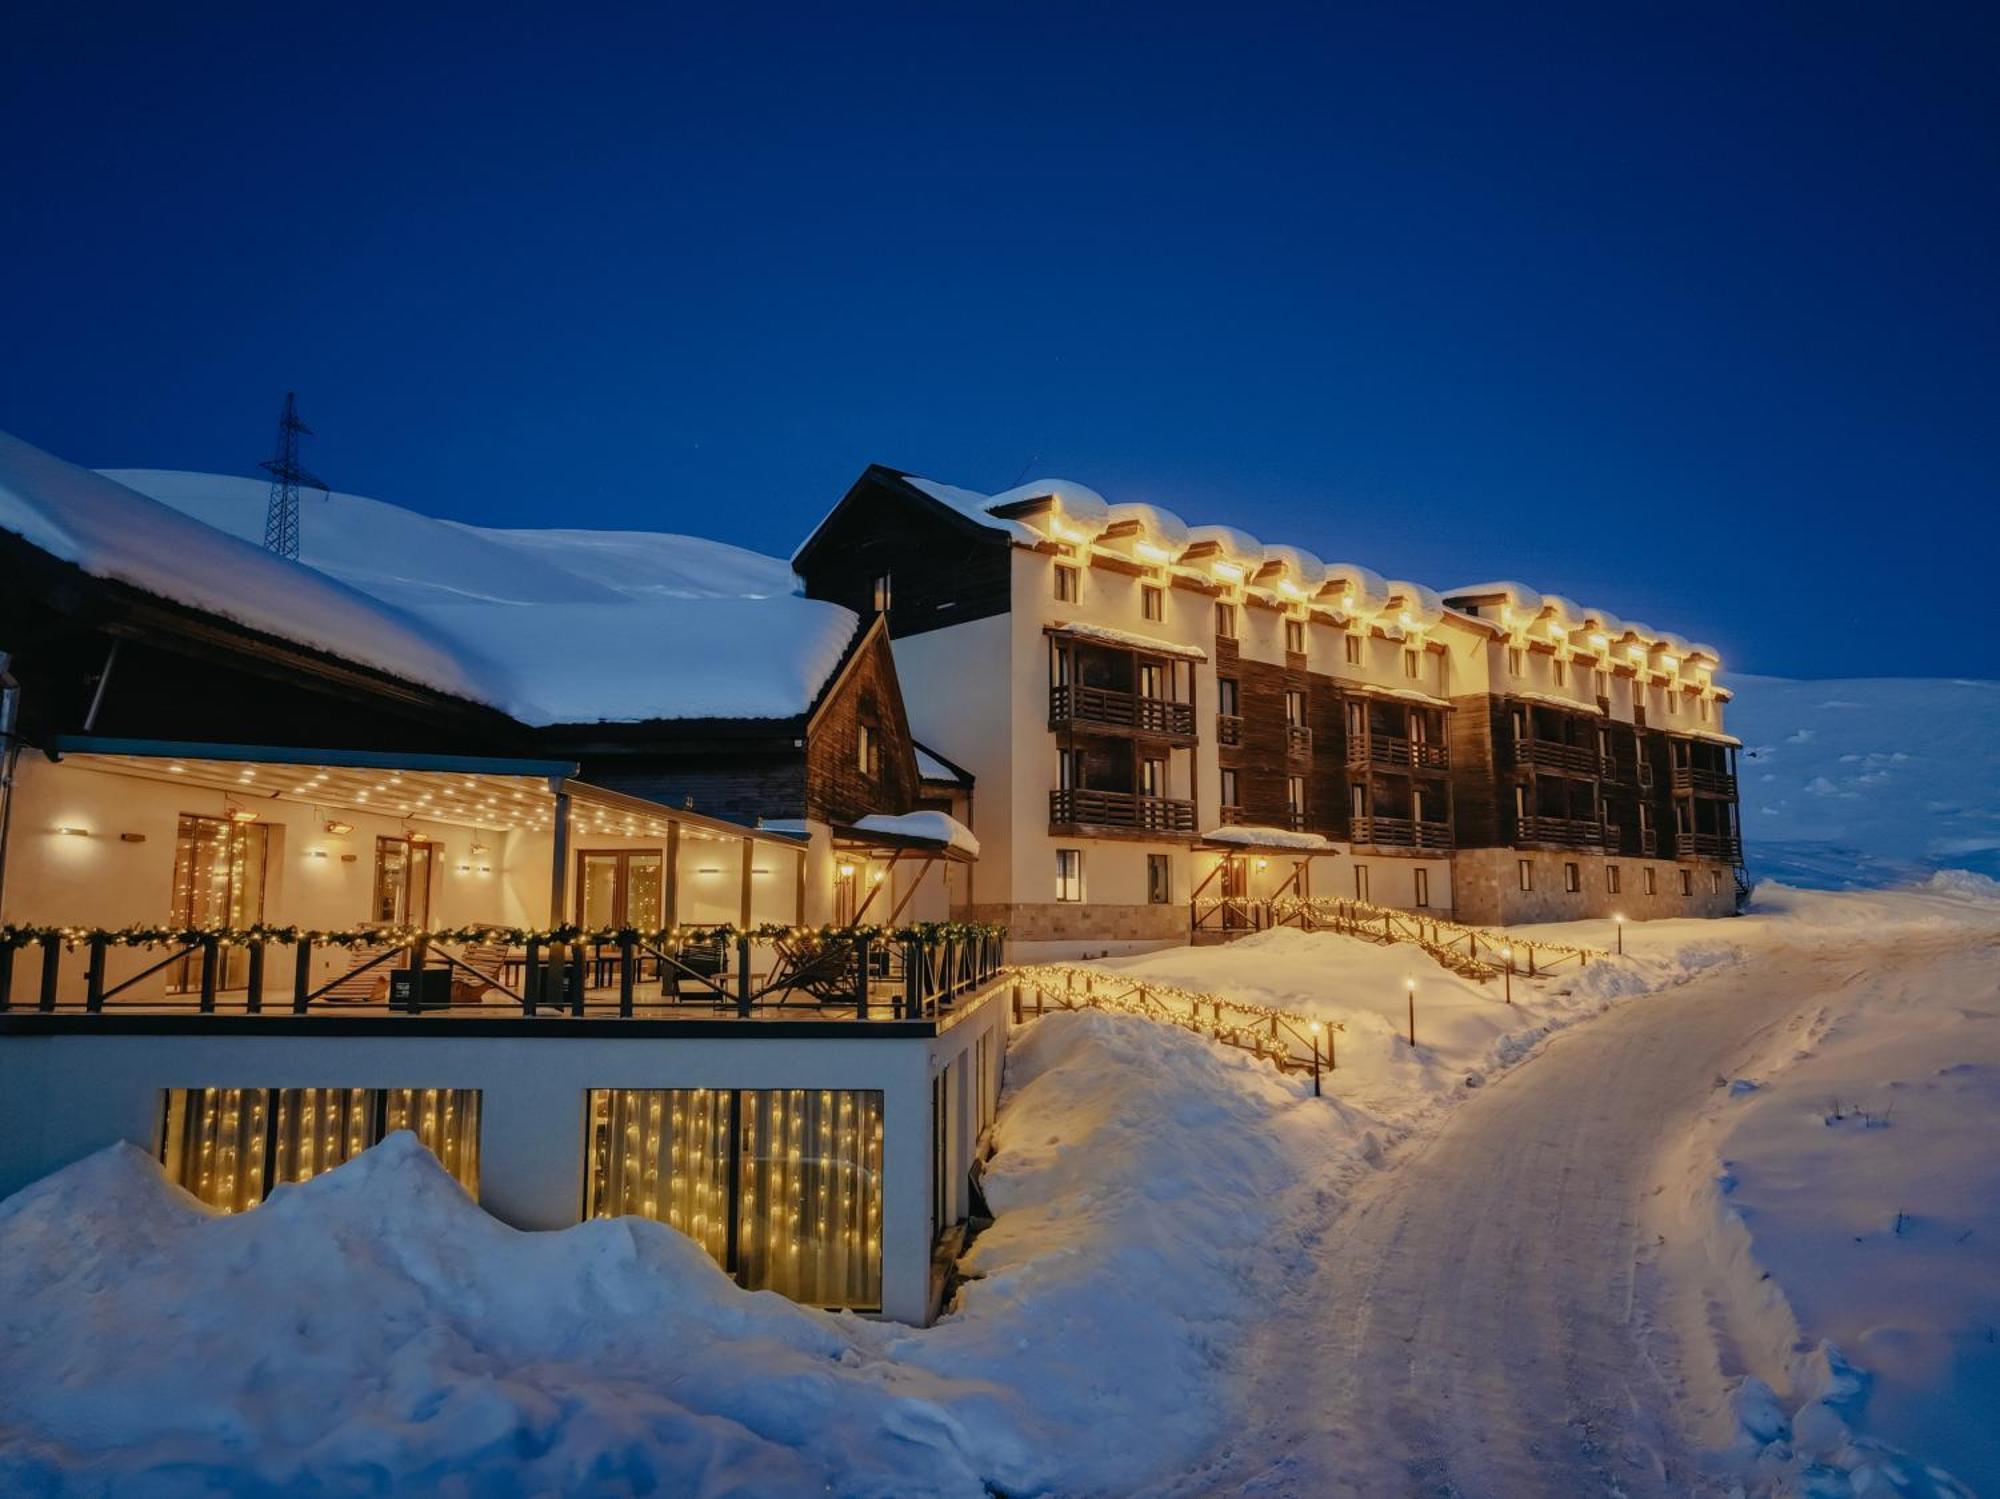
(281,518)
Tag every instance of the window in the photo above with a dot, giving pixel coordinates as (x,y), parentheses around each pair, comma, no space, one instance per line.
(1715,882)
(1225,620)
(1069,874)
(1561,668)
(1357,719)
(797,1171)
(1704,709)
(1357,802)
(1229,796)
(1526,870)
(1152,680)
(1295,636)
(1295,708)
(1412,664)
(1295,799)
(1069,583)
(1614,882)
(1673,701)
(1153,777)
(1152,601)
(1515,664)
(218,881)
(231,1146)
(1572,876)
(1423,886)
(402,881)
(1603,683)
(867,752)
(1159,879)
(1687,882)
(618,888)
(1361,882)
(1353,645)
(882,594)
(1651,881)
(1225,697)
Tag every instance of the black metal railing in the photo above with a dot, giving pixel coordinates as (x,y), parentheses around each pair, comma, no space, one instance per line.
(1105,708)
(1120,809)
(913,972)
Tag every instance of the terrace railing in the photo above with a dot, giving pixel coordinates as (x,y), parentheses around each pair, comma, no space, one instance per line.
(1120,809)
(914,972)
(1694,778)
(1120,710)
(1478,953)
(1566,832)
(1578,759)
(1400,832)
(1397,752)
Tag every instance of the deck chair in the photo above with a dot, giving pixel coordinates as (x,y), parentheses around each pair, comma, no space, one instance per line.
(821,966)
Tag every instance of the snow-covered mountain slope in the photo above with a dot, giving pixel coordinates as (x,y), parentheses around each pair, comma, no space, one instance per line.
(1868,781)
(402,556)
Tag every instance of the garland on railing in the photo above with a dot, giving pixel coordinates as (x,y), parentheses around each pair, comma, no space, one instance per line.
(71,937)
(1320,903)
(1068,972)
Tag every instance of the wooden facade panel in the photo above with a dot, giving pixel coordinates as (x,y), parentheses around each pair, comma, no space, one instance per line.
(865,695)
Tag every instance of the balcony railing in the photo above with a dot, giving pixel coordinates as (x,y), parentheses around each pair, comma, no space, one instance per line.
(1298,739)
(1708,846)
(1693,778)
(1576,758)
(1400,832)
(1228,728)
(1120,710)
(1120,809)
(1396,751)
(1568,832)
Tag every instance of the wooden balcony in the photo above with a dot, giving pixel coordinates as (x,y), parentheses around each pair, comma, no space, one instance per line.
(1708,846)
(1228,728)
(1123,810)
(1545,754)
(1400,832)
(1099,707)
(1397,752)
(1298,739)
(1565,832)
(1708,782)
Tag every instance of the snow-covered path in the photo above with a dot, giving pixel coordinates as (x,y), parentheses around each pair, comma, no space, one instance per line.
(1482,1317)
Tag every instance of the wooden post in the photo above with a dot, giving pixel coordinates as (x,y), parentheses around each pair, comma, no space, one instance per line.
(1315,1047)
(6,975)
(1531,960)
(627,961)
(579,958)
(672,893)
(210,953)
(531,976)
(559,852)
(749,858)
(253,998)
(51,966)
(861,982)
(93,990)
(1017,1004)
(420,951)
(743,974)
(302,961)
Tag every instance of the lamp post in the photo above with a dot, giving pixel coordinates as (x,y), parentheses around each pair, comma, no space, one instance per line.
(1507,973)
(1315,1045)
(1410,989)
(1619,920)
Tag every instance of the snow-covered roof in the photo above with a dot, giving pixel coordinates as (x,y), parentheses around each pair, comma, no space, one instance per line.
(1109,635)
(1249,835)
(925,827)
(932,766)
(546,626)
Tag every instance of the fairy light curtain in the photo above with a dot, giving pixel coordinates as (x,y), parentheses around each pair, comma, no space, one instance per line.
(231,1146)
(782,1187)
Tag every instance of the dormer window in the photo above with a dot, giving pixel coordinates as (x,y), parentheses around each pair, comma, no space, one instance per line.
(1225,620)
(1152,601)
(1353,650)
(1516,663)
(1069,583)
(1295,636)
(1562,672)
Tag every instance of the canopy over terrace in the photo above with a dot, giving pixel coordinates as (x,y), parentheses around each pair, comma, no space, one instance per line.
(1245,850)
(532,831)
(924,840)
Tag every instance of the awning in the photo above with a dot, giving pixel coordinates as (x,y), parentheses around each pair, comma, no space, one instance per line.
(1238,837)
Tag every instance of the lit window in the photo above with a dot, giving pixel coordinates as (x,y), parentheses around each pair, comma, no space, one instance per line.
(1603,683)
(1514,661)
(882,594)
(1069,874)
(1295,708)
(1704,709)
(1068,583)
(1295,636)
(1412,665)
(867,753)
(1152,601)
(1229,798)
(1613,880)
(1361,882)
(1715,882)
(1353,650)
(1295,799)
(1225,696)
(1225,620)
(1562,672)
(1526,870)
(1651,881)
(1423,887)
(1159,879)
(1687,882)
(1572,877)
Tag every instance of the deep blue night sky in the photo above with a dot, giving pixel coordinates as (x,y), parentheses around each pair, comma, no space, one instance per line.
(1687,311)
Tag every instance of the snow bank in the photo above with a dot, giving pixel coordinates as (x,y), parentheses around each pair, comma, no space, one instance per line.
(373,1330)
(933,827)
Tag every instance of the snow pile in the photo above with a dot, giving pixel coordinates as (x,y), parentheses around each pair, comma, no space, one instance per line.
(547,626)
(373,1330)
(932,827)
(1847,1194)
(1868,781)
(1252,835)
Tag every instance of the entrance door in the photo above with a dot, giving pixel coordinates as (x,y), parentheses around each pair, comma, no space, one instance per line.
(619,888)
(402,882)
(218,881)
(1235,891)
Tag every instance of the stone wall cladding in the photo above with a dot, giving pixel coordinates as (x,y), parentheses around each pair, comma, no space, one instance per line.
(1084,922)
(1487,889)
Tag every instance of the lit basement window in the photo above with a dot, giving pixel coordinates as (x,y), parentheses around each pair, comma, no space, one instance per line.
(802,1187)
(231,1146)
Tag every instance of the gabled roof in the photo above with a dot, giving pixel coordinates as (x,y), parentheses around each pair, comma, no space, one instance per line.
(935,768)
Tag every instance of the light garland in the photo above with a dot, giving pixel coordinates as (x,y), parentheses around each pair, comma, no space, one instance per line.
(71,937)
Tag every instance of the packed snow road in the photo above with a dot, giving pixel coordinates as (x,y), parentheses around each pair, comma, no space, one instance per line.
(1481,1320)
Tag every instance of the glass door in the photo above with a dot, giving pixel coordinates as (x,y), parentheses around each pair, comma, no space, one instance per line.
(620,888)
(218,882)
(402,882)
